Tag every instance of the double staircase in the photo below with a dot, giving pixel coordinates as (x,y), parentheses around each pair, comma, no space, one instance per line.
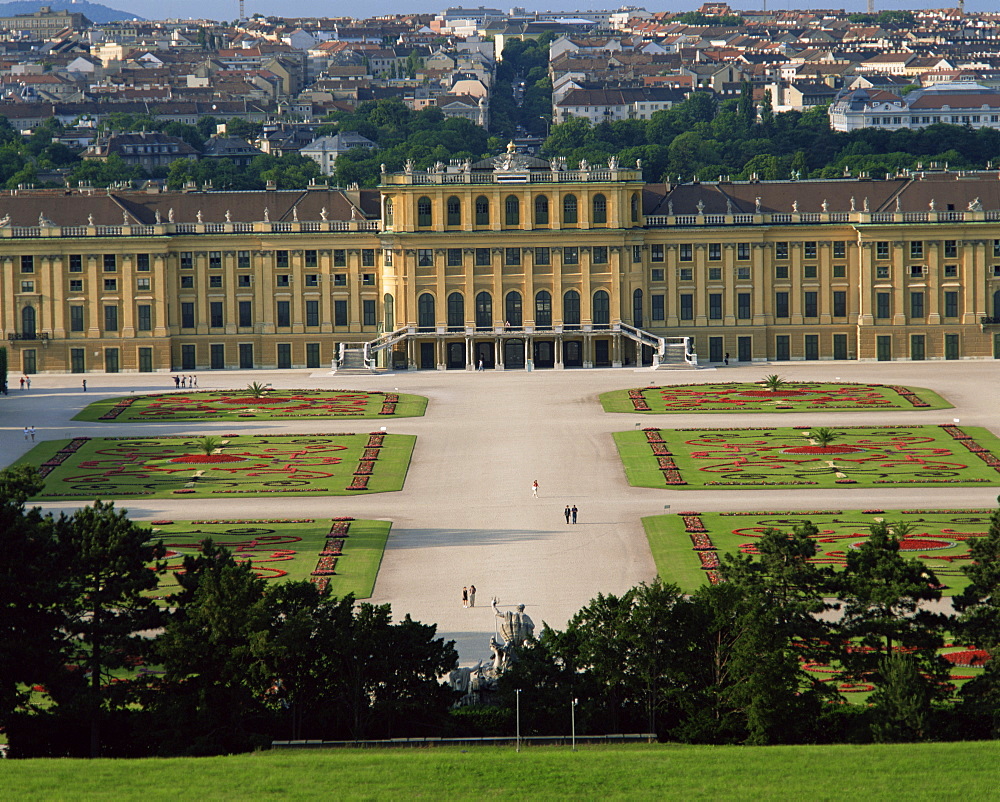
(669,353)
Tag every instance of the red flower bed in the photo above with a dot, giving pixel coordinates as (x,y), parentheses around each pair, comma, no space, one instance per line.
(775,393)
(970,658)
(207,459)
(822,450)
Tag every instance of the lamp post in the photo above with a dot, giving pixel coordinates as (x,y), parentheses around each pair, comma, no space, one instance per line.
(548,122)
(572,718)
(517,694)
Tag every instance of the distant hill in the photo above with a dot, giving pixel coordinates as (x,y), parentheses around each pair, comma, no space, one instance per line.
(95,12)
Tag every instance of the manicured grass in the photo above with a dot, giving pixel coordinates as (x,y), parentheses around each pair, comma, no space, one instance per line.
(283,549)
(240,405)
(667,771)
(861,456)
(939,538)
(753,397)
(169,467)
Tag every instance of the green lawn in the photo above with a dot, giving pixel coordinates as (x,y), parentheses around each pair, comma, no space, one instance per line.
(753,397)
(939,538)
(815,773)
(239,405)
(783,457)
(166,467)
(282,549)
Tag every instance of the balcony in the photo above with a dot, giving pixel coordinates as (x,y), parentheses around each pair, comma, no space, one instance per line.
(28,335)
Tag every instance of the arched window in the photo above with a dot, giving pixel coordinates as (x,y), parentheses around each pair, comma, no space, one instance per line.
(635,208)
(543,309)
(388,212)
(541,210)
(423,211)
(482,211)
(456,311)
(512,211)
(454,207)
(514,314)
(600,215)
(637,309)
(28,322)
(389,305)
(425,311)
(602,308)
(569,209)
(484,311)
(571,308)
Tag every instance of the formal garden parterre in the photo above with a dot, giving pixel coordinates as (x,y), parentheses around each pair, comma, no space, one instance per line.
(790,457)
(255,403)
(265,465)
(342,554)
(780,396)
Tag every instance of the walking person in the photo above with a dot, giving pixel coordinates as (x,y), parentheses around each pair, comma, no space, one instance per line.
(85,385)
(27,382)
(26,433)
(725,359)
(22,382)
(177,382)
(465,597)
(194,381)
(534,488)
(472,595)
(480,365)
(31,431)
(574,513)
(567,513)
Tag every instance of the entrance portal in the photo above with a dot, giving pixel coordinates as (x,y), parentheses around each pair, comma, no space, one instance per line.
(456,356)
(484,354)
(513,354)
(544,354)
(573,353)
(427,356)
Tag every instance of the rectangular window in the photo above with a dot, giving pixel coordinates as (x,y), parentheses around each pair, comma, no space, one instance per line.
(951,271)
(882,305)
(110,285)
(27,286)
(243,260)
(840,271)
(882,250)
(217,356)
(839,303)
(145,360)
(284,311)
(840,250)
(656,308)
(571,256)
(215,315)
(340,258)
(811,342)
(882,271)
(368,257)
(781,271)
(455,257)
(283,279)
(600,254)
(743,273)
(245,309)
(950,249)
(916,304)
(781,250)
(367,279)
(687,306)
(656,274)
(809,250)
(715,306)
(75,263)
(840,346)
(425,257)
(368,312)
(142,262)
(312,355)
(76,318)
(656,252)
(715,274)
(743,306)
(916,271)
(715,251)
(110,263)
(809,271)
(636,254)
(996,248)
(243,281)
(781,304)
(144,317)
(111,318)
(917,249)
(215,260)
(312,258)
(686,251)
(340,279)
(686,274)
(951,304)
(312,279)
(512,256)
(742,251)
(281,259)
(482,257)
(543,256)
(810,304)
(312,313)
(187,315)
(76,285)
(187,260)
(284,355)
(27,264)
(340,313)
(214,282)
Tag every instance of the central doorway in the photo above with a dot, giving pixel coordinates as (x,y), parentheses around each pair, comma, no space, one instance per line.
(513,354)
(484,354)
(456,356)
(544,354)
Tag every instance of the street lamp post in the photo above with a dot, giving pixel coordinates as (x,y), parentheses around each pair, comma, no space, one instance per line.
(518,716)
(548,122)
(572,718)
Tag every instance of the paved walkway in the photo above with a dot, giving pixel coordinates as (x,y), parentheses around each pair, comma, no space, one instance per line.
(466,513)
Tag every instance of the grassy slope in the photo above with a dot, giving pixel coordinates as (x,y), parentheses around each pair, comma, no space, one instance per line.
(409,406)
(618,401)
(910,771)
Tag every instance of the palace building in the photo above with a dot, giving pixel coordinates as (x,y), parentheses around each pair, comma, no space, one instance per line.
(514,262)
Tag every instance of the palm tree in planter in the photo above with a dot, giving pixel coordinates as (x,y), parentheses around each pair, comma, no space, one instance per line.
(257,390)
(209,444)
(822,436)
(774,382)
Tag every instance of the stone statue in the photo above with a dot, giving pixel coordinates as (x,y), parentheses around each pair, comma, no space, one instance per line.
(865,203)
(354,212)
(795,207)
(756,205)
(198,217)
(124,218)
(584,165)
(408,167)
(322,214)
(613,163)
(41,220)
(932,205)
(899,206)
(467,166)
(267,215)
(439,166)
(853,209)
(5,221)
(516,627)
(638,164)
(295,214)
(700,206)
(229,217)
(824,206)
(729,205)
(975,205)
(381,167)
(170,214)
(90,219)
(670,207)
(157,218)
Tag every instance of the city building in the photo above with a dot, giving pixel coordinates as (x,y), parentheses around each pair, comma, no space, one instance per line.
(513,261)
(954,102)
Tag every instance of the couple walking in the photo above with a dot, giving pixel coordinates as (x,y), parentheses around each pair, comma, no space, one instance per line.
(570,512)
(469,596)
